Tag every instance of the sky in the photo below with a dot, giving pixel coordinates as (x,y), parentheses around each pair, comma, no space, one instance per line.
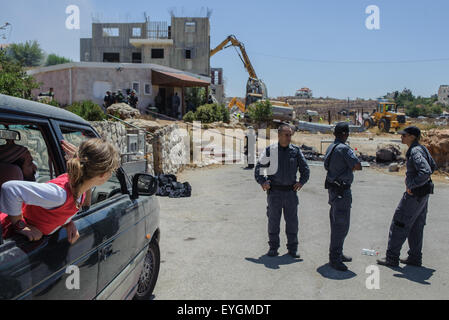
(322,44)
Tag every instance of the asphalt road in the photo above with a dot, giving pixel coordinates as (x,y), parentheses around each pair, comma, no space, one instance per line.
(213,244)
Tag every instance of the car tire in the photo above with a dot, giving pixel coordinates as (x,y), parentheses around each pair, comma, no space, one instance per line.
(150,272)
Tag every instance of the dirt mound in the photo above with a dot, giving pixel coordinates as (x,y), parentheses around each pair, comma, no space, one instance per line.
(437,142)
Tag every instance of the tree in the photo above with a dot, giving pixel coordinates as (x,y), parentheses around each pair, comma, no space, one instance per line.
(261,111)
(54,59)
(29,54)
(13,79)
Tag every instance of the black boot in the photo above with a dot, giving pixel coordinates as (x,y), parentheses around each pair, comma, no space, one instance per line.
(345,258)
(387,262)
(293,253)
(272,252)
(411,262)
(338,265)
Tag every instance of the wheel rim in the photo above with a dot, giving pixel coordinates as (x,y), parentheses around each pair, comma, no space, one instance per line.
(147,274)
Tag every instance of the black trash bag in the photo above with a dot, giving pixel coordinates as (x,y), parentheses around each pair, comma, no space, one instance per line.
(169,186)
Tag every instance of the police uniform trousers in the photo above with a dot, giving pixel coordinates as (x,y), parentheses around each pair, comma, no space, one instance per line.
(339,216)
(408,222)
(287,201)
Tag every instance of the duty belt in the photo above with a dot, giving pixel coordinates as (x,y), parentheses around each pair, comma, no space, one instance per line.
(282,188)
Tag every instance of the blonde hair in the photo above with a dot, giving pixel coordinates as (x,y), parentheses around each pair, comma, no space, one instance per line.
(93,158)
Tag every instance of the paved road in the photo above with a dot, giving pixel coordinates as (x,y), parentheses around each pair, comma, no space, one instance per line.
(213,244)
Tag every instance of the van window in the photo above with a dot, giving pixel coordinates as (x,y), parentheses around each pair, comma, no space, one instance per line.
(32,137)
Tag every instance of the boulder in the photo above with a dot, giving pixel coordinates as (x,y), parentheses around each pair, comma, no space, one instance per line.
(393,167)
(123,111)
(387,152)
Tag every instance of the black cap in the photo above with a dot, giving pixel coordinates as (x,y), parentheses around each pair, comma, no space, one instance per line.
(411,130)
(341,127)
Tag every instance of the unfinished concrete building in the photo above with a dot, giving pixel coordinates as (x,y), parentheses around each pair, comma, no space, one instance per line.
(110,42)
(185,45)
(443,94)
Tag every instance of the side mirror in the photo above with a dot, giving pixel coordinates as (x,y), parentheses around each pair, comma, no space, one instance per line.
(144,185)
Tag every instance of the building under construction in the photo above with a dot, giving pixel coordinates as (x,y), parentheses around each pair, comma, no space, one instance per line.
(183,45)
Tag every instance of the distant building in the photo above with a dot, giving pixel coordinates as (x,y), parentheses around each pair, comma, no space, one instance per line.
(443,94)
(185,45)
(304,93)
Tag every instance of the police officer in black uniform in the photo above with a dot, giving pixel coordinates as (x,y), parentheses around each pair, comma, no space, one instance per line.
(410,215)
(282,161)
(340,162)
(133,99)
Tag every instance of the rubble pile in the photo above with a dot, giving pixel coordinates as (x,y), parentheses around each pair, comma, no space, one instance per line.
(387,153)
(437,142)
(311,154)
(123,111)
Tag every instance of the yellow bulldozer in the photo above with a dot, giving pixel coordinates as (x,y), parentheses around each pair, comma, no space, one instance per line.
(386,117)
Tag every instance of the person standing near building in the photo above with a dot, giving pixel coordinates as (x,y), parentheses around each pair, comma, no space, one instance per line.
(340,161)
(175,105)
(158,101)
(282,161)
(120,98)
(410,215)
(108,100)
(250,147)
(133,99)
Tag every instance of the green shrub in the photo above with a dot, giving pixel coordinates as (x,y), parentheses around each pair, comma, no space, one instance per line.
(261,111)
(225,116)
(87,110)
(189,117)
(53,103)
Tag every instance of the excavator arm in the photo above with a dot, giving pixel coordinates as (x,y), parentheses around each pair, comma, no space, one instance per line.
(244,57)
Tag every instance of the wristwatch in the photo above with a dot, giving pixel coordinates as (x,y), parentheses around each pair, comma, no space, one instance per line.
(19,225)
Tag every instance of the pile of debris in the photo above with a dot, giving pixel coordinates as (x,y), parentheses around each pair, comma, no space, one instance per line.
(387,153)
(437,142)
(311,153)
(123,111)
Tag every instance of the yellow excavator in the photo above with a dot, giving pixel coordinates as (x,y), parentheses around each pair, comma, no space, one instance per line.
(255,88)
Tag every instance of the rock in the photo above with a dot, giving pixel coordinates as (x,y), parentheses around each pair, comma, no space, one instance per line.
(387,152)
(123,111)
(366,158)
(148,125)
(393,167)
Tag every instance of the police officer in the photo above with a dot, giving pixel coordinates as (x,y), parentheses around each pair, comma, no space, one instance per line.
(133,99)
(340,162)
(120,97)
(282,161)
(410,215)
(250,147)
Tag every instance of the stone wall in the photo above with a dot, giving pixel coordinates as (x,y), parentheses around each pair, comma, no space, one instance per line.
(167,149)
(170,150)
(114,132)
